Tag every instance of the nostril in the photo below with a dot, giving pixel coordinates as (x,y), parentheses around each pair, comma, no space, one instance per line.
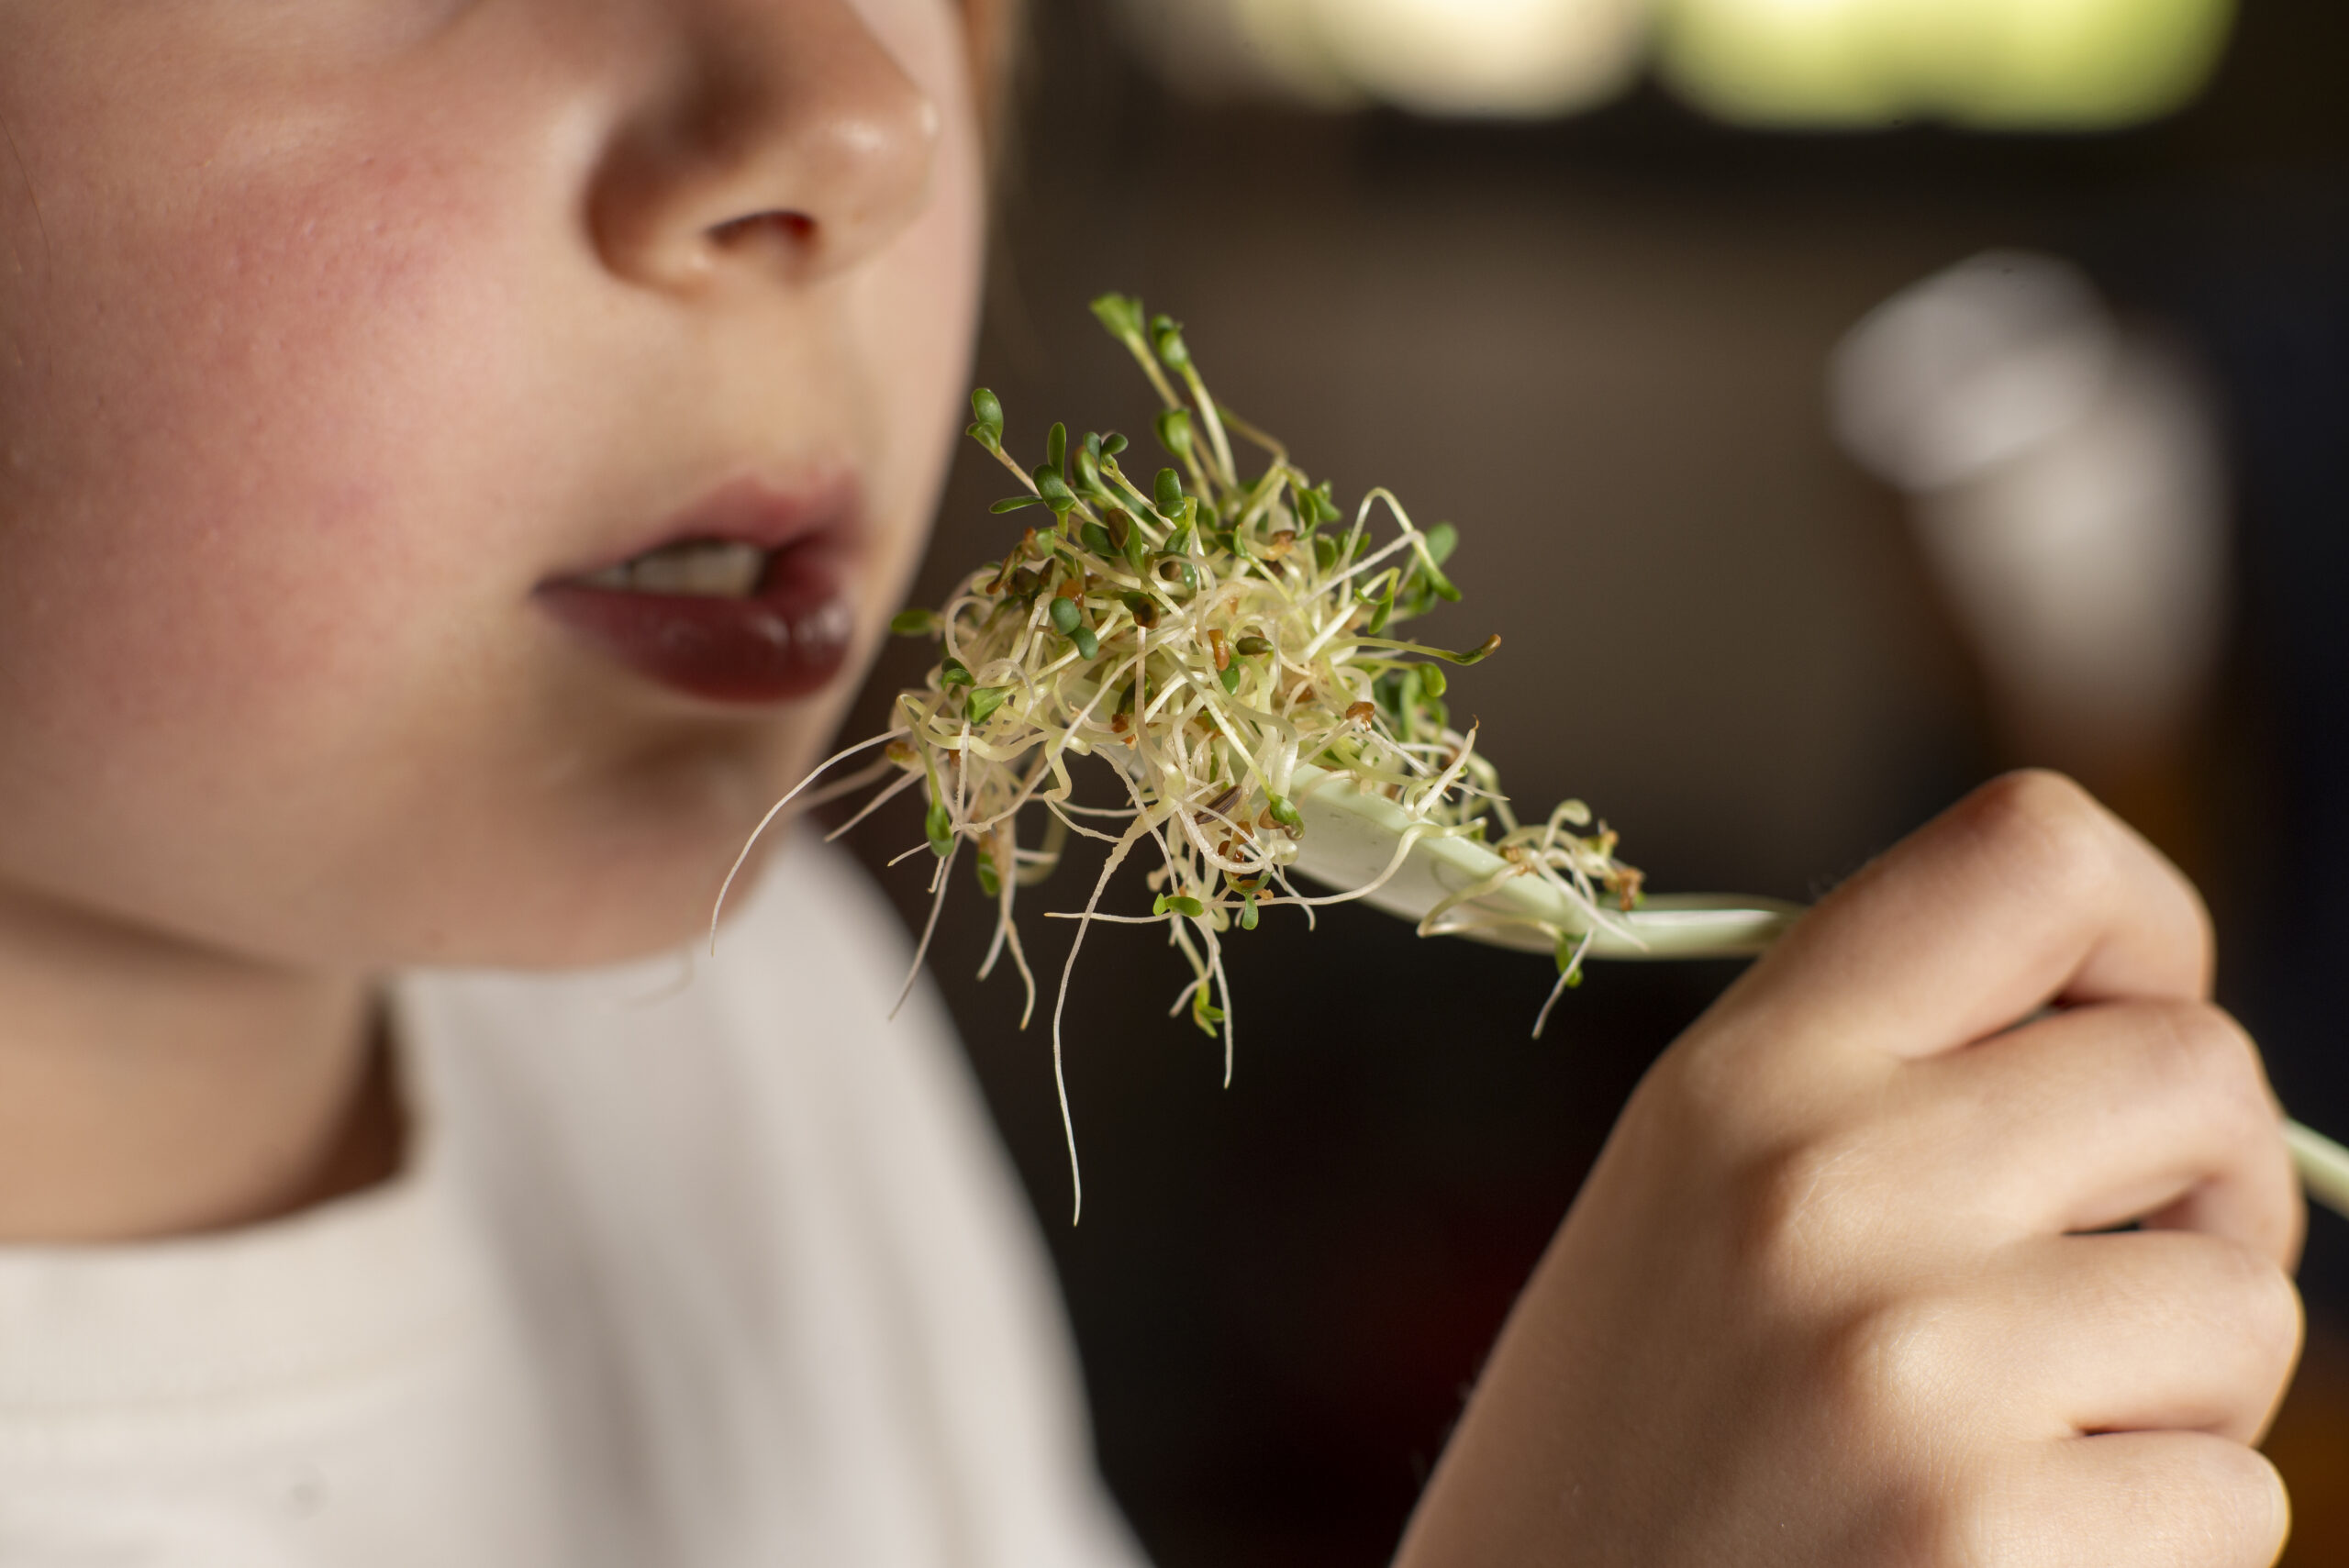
(789,162)
(793,228)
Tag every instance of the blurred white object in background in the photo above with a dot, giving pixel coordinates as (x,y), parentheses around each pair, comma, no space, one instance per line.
(1512,58)
(1489,58)
(2066,485)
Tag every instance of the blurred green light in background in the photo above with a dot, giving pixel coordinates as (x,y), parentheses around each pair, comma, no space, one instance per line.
(1478,58)
(2055,65)
(1992,65)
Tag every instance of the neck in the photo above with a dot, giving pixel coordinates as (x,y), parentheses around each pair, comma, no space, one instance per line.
(152,1087)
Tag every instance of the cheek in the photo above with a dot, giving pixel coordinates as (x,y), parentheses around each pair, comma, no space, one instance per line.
(287,446)
(213,522)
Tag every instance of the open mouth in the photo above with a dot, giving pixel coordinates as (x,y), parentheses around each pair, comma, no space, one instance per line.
(747,604)
(715,569)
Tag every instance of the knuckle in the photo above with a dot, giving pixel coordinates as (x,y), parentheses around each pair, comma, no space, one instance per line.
(2244,1301)
(1712,1095)
(2200,1051)
(2045,821)
(2056,844)
(1895,1367)
(1807,1209)
(2174,1497)
(2267,1314)
(2234,1500)
(1689,1089)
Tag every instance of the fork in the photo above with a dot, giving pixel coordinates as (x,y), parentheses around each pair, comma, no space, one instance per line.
(1353,838)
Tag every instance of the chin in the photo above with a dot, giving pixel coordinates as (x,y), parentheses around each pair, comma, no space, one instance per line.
(592,903)
(596,845)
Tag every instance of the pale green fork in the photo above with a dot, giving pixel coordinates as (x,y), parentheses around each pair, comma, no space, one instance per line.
(1352,838)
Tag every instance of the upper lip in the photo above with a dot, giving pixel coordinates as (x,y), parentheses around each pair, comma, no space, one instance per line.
(752,511)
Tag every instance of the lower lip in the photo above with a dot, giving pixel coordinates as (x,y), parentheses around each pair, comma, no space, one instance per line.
(789,639)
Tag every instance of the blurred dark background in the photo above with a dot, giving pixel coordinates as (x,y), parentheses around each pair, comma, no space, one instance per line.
(1601,343)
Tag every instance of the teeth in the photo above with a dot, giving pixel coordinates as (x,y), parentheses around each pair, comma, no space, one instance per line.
(705,567)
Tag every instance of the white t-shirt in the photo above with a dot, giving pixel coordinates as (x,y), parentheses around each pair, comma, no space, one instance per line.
(738,1276)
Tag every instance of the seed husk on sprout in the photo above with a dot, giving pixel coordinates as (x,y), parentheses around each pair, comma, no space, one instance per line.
(1208,633)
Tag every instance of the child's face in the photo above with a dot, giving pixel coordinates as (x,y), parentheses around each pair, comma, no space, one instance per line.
(333,331)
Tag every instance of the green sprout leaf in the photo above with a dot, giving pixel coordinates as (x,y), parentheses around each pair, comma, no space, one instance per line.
(1121,313)
(1230,676)
(939,824)
(1175,431)
(1314,506)
(915,623)
(1112,444)
(1282,810)
(953,671)
(982,702)
(1014,503)
(1167,337)
(1136,548)
(986,423)
(1056,446)
(1425,564)
(1251,646)
(1179,903)
(989,884)
(1065,615)
(1055,491)
(1204,1013)
(1477,654)
(1443,539)
(1097,539)
(1167,492)
(1087,645)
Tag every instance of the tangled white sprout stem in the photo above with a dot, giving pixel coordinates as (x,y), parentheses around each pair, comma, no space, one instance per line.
(1209,634)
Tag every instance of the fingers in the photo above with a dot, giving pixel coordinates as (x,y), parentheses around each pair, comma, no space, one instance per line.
(2024,892)
(2131,1500)
(2138,1332)
(2104,1114)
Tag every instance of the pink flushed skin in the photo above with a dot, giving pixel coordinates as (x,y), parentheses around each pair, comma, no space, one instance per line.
(788,640)
(333,345)
(329,334)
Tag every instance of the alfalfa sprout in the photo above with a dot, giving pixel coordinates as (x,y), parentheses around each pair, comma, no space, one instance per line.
(1208,632)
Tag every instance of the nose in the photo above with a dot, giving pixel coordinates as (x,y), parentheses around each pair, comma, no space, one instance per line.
(789,141)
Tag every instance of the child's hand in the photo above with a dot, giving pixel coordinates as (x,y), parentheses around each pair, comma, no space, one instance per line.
(1826,1297)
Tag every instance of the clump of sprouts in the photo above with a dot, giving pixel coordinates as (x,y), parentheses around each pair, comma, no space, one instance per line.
(1209,633)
